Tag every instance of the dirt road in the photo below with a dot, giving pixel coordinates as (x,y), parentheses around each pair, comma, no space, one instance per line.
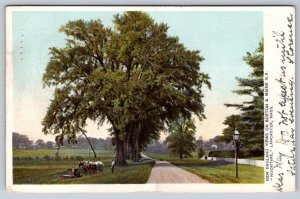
(165,172)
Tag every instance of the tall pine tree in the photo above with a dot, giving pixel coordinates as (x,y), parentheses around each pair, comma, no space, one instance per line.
(250,121)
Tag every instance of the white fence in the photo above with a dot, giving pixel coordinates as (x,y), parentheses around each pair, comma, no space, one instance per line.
(258,163)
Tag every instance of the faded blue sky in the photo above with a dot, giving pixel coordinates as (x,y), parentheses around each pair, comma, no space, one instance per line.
(222,37)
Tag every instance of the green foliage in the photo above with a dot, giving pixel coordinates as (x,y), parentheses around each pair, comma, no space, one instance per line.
(57,158)
(47,158)
(181,140)
(233,122)
(21,141)
(200,153)
(176,160)
(250,122)
(222,154)
(130,75)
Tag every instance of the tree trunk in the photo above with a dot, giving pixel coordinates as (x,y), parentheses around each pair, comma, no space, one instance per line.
(135,143)
(128,146)
(135,151)
(120,159)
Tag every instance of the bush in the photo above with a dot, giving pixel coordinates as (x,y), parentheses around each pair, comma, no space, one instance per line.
(255,153)
(222,154)
(152,163)
(16,158)
(200,153)
(47,158)
(79,158)
(57,158)
(66,157)
(29,158)
(231,154)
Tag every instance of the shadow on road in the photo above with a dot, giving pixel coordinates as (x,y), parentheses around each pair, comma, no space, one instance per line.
(163,164)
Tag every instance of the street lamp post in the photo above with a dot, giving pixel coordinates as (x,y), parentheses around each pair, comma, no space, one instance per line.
(236,141)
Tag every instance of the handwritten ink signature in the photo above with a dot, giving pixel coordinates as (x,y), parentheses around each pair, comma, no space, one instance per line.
(285,160)
(290,50)
(278,185)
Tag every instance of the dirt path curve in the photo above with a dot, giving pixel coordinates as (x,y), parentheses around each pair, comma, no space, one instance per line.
(165,172)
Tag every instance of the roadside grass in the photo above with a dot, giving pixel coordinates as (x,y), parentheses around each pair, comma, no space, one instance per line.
(40,171)
(175,160)
(226,173)
(216,171)
(255,158)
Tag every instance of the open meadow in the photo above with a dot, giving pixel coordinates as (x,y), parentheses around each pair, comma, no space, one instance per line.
(43,166)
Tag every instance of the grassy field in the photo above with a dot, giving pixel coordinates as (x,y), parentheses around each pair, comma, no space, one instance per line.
(216,171)
(31,167)
(42,166)
(63,152)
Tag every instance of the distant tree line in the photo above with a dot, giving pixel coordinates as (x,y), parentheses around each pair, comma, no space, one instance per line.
(201,146)
(21,141)
(157,147)
(213,144)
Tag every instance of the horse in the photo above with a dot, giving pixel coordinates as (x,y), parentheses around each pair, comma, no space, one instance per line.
(91,166)
(99,165)
(88,166)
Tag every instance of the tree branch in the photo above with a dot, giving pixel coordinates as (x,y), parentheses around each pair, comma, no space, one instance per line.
(95,155)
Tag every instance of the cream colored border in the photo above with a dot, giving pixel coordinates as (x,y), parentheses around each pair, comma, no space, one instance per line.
(139,8)
(9,99)
(269,12)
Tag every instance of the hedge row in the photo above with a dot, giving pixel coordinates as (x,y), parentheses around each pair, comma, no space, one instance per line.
(48,158)
(230,154)
(223,154)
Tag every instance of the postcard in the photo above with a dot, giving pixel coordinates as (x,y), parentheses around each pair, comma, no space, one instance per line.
(150,99)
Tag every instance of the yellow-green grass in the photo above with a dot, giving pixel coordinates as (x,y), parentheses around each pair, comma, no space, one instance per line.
(63,152)
(52,174)
(216,171)
(40,171)
(255,158)
(226,173)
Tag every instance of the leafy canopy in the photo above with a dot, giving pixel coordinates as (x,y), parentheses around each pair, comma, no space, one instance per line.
(181,140)
(128,74)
